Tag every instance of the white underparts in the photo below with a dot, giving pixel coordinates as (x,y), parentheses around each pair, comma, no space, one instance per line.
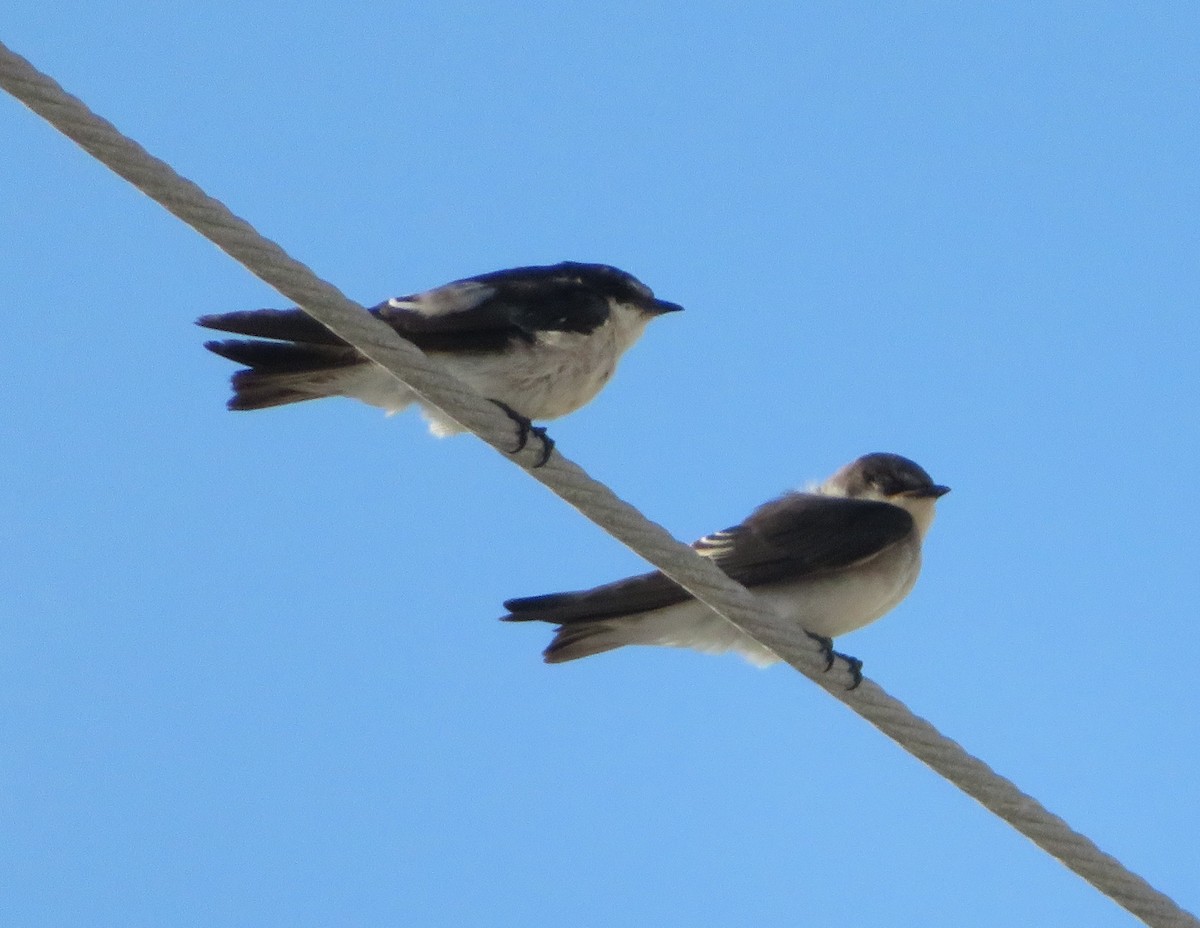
(555,374)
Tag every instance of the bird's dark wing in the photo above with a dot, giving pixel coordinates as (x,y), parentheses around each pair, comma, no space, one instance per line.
(464,316)
(292,325)
(473,316)
(799,535)
(633,594)
(802,534)
(484,313)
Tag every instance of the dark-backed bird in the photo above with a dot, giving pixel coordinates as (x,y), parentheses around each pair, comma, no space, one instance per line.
(828,560)
(538,341)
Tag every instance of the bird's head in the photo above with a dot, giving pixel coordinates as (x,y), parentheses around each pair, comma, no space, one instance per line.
(623,290)
(889,478)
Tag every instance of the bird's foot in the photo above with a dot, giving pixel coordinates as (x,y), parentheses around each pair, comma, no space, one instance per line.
(853,663)
(525,428)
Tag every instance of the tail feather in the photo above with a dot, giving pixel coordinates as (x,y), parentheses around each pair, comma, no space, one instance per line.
(580,632)
(582,639)
(255,389)
(551,607)
(291,325)
(279,373)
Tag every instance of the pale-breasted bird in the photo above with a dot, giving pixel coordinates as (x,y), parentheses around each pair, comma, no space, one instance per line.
(538,341)
(829,560)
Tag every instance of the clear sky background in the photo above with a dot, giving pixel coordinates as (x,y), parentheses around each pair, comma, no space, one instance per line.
(250,668)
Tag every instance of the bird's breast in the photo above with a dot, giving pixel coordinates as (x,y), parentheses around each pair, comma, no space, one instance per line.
(550,376)
(842,601)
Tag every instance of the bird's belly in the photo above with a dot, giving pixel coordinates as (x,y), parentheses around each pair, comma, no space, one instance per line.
(833,606)
(829,606)
(544,380)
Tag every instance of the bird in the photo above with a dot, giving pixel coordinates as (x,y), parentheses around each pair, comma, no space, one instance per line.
(539,342)
(829,560)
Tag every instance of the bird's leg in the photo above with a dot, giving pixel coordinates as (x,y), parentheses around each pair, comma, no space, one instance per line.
(525,428)
(827,651)
(854,664)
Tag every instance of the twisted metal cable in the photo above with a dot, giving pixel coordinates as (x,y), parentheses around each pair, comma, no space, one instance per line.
(378,342)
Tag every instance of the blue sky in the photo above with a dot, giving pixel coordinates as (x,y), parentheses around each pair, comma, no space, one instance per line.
(251,672)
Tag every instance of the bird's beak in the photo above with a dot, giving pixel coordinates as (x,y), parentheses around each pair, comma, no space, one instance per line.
(933,492)
(659,307)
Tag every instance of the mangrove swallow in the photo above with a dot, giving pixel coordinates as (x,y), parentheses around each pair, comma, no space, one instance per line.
(829,560)
(540,342)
